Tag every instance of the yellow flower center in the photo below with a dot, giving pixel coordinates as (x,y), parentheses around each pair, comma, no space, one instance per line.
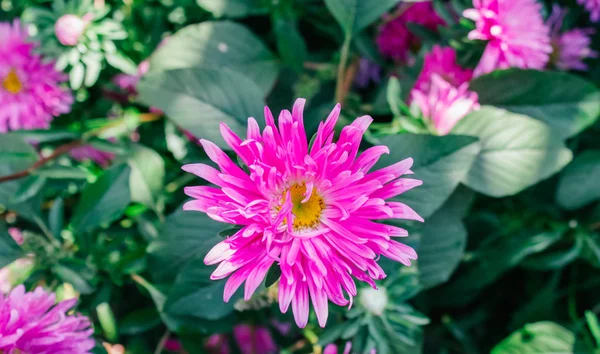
(11,82)
(306,214)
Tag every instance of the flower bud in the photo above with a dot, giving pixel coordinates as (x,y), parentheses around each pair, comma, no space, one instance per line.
(69,29)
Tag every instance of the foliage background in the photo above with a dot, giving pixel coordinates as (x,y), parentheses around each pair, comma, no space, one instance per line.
(509,255)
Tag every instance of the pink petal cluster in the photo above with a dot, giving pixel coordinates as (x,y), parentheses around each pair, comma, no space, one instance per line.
(333,349)
(571,47)
(312,209)
(515,32)
(442,90)
(88,152)
(31,322)
(443,104)
(30,91)
(593,7)
(250,340)
(395,39)
(69,29)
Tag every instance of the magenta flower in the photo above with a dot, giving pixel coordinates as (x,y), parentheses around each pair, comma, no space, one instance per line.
(593,7)
(571,47)
(88,152)
(444,104)
(395,39)
(333,349)
(30,91)
(442,61)
(16,234)
(515,31)
(31,322)
(69,28)
(310,209)
(249,339)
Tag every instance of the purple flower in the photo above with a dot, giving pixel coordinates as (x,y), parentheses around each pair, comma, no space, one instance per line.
(31,322)
(571,47)
(593,7)
(30,91)
(515,33)
(249,339)
(367,72)
(88,152)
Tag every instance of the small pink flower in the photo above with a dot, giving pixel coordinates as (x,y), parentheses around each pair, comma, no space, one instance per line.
(333,349)
(444,104)
(313,210)
(69,29)
(88,152)
(593,7)
(16,234)
(173,345)
(30,88)
(442,61)
(254,340)
(571,47)
(515,32)
(31,322)
(395,39)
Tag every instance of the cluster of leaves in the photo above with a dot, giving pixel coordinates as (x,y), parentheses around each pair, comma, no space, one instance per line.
(509,255)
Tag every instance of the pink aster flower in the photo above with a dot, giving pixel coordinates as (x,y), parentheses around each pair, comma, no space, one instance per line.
(395,39)
(30,91)
(593,7)
(444,104)
(31,322)
(571,47)
(515,31)
(312,209)
(442,61)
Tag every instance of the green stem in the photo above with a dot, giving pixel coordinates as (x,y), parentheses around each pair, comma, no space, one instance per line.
(341,73)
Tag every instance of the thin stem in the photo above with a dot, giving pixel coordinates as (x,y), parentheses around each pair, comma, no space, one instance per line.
(46,231)
(162,342)
(341,73)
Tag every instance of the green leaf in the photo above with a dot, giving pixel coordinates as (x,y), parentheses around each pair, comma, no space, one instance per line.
(539,337)
(578,185)
(441,162)
(566,102)
(61,172)
(139,321)
(45,136)
(232,8)
(442,240)
(184,236)
(273,275)
(30,187)
(119,61)
(76,76)
(73,277)
(290,44)
(394,96)
(56,217)
(9,250)
(219,45)
(103,201)
(516,151)
(555,259)
(107,321)
(15,156)
(200,99)
(194,294)
(355,15)
(147,175)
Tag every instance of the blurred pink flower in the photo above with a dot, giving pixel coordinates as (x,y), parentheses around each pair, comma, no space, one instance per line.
(31,322)
(593,7)
(333,349)
(515,31)
(69,28)
(88,152)
(395,39)
(30,91)
(249,339)
(173,345)
(16,234)
(442,61)
(311,210)
(444,104)
(128,82)
(571,47)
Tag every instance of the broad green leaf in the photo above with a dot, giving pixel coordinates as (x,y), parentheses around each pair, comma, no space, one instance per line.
(103,201)
(442,240)
(232,8)
(290,44)
(147,175)
(184,236)
(579,184)
(139,321)
(76,76)
(200,99)
(441,162)
(17,155)
(219,45)
(9,250)
(194,294)
(355,15)
(539,337)
(492,260)
(73,277)
(564,101)
(516,151)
